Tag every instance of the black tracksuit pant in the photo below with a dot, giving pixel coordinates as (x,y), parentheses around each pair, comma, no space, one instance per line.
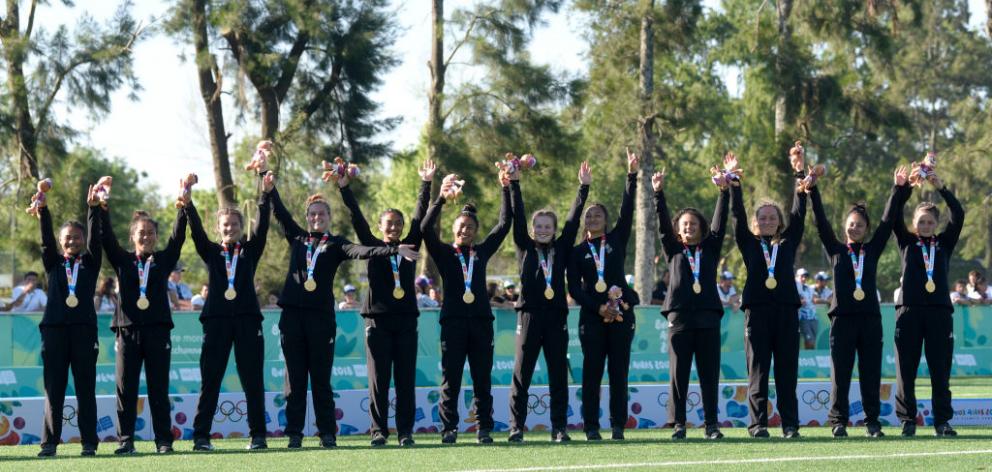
(852,334)
(307,339)
(64,347)
(683,345)
(930,330)
(219,334)
(151,345)
(772,331)
(534,332)
(471,338)
(605,346)
(391,351)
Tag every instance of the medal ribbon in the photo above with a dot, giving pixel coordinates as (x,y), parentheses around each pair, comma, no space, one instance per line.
(546,265)
(694,262)
(311,256)
(466,269)
(71,272)
(394,261)
(928,259)
(143,270)
(231,263)
(599,259)
(858,263)
(770,260)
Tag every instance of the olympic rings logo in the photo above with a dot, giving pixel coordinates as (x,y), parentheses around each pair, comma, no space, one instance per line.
(692,400)
(228,410)
(816,400)
(69,415)
(364,405)
(538,404)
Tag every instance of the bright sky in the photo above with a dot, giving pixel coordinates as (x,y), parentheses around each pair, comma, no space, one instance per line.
(164,132)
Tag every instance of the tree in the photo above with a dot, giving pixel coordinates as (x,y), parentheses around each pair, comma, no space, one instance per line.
(80,68)
(645,226)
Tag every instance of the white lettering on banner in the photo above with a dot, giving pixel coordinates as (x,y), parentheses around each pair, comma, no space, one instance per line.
(278,372)
(965,360)
(8,377)
(189,375)
(890,359)
(823,362)
(173,376)
(503,365)
(106,377)
(807,362)
(192,351)
(342,371)
(190,339)
(360,370)
(650,365)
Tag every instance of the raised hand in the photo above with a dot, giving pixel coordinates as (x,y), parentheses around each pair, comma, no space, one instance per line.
(633,162)
(427,171)
(260,160)
(935,180)
(585,176)
(409,252)
(102,189)
(504,178)
(268,182)
(92,199)
(186,189)
(451,186)
(658,181)
(915,177)
(901,176)
(797,157)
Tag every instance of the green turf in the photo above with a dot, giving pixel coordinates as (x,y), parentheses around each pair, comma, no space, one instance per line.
(651,447)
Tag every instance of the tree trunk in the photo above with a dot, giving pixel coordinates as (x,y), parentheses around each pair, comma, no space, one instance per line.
(645,224)
(783,9)
(435,99)
(988,17)
(988,230)
(210,92)
(270,113)
(14,49)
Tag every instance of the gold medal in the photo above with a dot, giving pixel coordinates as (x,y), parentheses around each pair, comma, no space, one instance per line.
(398,293)
(859,294)
(696,287)
(931,286)
(771,283)
(143,303)
(309,285)
(230,294)
(600,286)
(469,297)
(71,301)
(549,293)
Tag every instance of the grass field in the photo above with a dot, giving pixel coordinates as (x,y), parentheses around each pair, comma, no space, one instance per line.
(643,450)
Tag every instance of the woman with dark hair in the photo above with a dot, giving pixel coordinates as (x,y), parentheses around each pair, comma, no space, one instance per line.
(143,324)
(542,311)
(855,315)
(466,317)
(307,323)
(68,327)
(105,299)
(771,301)
(924,314)
(692,307)
(606,328)
(231,315)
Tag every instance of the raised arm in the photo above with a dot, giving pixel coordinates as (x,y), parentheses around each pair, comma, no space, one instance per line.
(93,227)
(823,227)
(571,227)
(797,216)
(626,218)
(115,253)
(742,230)
(49,246)
(520,236)
(204,247)
(718,227)
(289,227)
(431,239)
(423,200)
(898,219)
(496,236)
(953,230)
(669,241)
(260,233)
(900,191)
(358,221)
(174,247)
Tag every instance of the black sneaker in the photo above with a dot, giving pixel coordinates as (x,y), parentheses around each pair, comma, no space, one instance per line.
(945,430)
(713,432)
(908,429)
(790,432)
(47,450)
(759,432)
(378,439)
(88,450)
(295,442)
(257,444)
(328,441)
(125,448)
(164,448)
(617,434)
(449,437)
(840,431)
(593,435)
(560,436)
(483,437)
(202,445)
(679,432)
(406,441)
(516,436)
(874,430)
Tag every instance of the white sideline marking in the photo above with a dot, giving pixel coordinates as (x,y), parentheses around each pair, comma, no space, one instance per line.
(737,461)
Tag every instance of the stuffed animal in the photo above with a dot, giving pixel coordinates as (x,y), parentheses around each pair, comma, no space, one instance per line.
(185,185)
(339,168)
(615,304)
(103,189)
(38,199)
(511,163)
(260,160)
